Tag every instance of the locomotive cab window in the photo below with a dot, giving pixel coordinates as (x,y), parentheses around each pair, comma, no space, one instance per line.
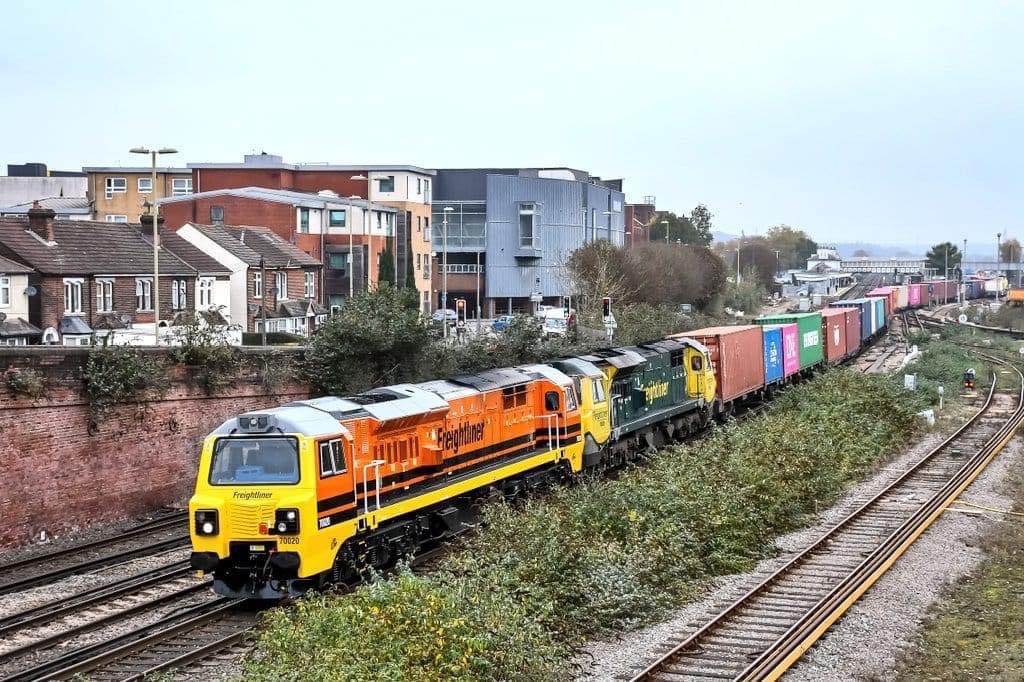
(255,461)
(332,458)
(697,363)
(570,399)
(551,402)
(598,389)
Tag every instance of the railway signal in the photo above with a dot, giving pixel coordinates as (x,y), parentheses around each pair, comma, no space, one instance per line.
(606,309)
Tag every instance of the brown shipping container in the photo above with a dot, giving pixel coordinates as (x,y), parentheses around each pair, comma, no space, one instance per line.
(833,326)
(852,330)
(738,356)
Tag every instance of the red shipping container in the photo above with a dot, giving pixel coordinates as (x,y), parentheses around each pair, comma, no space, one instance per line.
(890,295)
(737,354)
(852,330)
(833,326)
(914,298)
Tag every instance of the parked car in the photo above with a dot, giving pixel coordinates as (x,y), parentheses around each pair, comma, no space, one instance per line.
(502,323)
(440,315)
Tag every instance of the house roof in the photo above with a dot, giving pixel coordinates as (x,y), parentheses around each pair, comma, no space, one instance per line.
(250,243)
(136,169)
(274,162)
(69,205)
(85,247)
(11,267)
(185,250)
(281,196)
(15,326)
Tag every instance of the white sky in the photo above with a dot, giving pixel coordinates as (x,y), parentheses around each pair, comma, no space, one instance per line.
(876,121)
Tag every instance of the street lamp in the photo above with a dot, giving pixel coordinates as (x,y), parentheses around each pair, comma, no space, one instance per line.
(444,268)
(366,228)
(156,233)
(665,223)
(999,261)
(776,261)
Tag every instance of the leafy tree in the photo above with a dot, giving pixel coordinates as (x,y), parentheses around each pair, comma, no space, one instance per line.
(680,229)
(700,218)
(675,273)
(758,258)
(936,258)
(793,245)
(861,253)
(386,266)
(1009,251)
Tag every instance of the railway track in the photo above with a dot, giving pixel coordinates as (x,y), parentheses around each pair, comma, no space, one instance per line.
(153,537)
(764,632)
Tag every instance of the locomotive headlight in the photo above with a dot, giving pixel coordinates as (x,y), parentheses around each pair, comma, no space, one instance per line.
(286,521)
(206,522)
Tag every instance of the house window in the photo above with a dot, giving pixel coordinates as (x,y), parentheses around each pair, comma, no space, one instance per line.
(5,290)
(104,296)
(281,282)
(179,294)
(419,188)
(114,186)
(309,286)
(336,218)
(115,218)
(204,296)
(257,284)
(426,188)
(217,215)
(419,261)
(72,297)
(419,223)
(526,226)
(143,294)
(426,229)
(386,184)
(181,186)
(145,185)
(304,220)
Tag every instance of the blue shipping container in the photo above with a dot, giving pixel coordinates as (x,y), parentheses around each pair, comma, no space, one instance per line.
(772,354)
(882,323)
(865,306)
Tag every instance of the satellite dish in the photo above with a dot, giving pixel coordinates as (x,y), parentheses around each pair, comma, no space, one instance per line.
(31,291)
(962,319)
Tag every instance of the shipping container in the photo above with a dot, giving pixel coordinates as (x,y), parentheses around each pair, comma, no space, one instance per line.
(888,293)
(852,330)
(809,324)
(790,334)
(833,330)
(914,297)
(902,297)
(880,317)
(772,354)
(738,356)
(863,307)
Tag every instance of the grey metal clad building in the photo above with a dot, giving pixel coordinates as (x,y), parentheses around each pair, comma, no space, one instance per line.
(522,224)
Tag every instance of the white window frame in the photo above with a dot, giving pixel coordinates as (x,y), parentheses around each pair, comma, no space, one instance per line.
(104,295)
(5,291)
(144,294)
(281,282)
(257,284)
(419,186)
(181,187)
(426,229)
(111,187)
(73,295)
(179,294)
(530,209)
(145,190)
(116,218)
(204,295)
(309,286)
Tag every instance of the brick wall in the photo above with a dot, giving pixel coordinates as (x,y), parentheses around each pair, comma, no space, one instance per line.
(58,476)
(237,211)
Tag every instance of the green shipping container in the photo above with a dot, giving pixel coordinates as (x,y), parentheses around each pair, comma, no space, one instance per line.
(809,327)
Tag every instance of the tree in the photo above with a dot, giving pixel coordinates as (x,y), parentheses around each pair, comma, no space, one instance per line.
(936,258)
(861,253)
(675,273)
(757,257)
(793,245)
(386,266)
(1009,251)
(598,269)
(700,218)
(680,229)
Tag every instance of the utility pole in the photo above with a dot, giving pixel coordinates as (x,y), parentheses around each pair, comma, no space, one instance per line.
(153,153)
(945,287)
(999,261)
(263,300)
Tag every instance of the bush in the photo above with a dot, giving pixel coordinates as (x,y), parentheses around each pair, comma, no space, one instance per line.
(26,382)
(273,339)
(601,556)
(121,374)
(207,348)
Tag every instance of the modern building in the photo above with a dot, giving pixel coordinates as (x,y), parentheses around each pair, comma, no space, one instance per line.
(35,169)
(65,208)
(25,183)
(407,189)
(271,279)
(321,224)
(15,329)
(508,232)
(94,279)
(638,220)
(119,194)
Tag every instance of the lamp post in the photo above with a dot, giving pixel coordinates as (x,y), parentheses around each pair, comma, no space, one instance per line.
(366,229)
(351,253)
(963,274)
(999,260)
(263,300)
(153,153)
(444,268)
(665,223)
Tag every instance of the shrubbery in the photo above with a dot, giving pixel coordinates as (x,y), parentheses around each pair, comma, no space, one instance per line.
(600,556)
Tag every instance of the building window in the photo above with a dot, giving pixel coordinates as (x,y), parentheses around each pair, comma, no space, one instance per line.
(309,287)
(336,218)
(281,282)
(5,291)
(179,294)
(426,229)
(204,296)
(217,215)
(114,186)
(143,294)
(419,186)
(145,185)
(104,296)
(258,284)
(303,220)
(386,184)
(419,261)
(527,235)
(337,261)
(419,223)
(181,186)
(116,218)
(426,188)
(72,297)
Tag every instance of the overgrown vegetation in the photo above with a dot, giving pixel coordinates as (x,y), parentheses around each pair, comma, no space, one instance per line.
(746,296)
(598,557)
(943,361)
(26,382)
(121,374)
(205,347)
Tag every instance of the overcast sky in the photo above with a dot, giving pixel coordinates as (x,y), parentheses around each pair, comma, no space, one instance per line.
(888,122)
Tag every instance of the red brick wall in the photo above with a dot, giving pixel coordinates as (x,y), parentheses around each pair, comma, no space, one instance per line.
(57,476)
(209,179)
(237,211)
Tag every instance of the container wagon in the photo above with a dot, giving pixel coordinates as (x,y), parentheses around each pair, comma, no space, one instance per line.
(773,355)
(809,327)
(737,355)
(833,331)
(886,294)
(902,297)
(916,294)
(864,314)
(790,347)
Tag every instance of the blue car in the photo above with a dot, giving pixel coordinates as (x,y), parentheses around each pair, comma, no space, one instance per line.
(502,323)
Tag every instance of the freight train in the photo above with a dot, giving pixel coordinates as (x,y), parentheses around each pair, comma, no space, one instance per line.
(318,491)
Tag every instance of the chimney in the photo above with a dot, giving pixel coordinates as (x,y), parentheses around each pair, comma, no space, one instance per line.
(40,221)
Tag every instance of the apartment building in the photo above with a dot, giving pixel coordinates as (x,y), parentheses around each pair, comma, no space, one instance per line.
(407,189)
(638,220)
(120,194)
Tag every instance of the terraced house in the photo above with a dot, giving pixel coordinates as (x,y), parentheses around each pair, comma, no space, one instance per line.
(89,280)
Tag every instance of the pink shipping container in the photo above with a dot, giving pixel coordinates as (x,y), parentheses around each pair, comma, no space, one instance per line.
(738,356)
(833,327)
(888,293)
(914,295)
(790,348)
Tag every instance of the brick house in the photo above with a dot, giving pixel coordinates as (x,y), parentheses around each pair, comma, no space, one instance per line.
(95,279)
(270,277)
